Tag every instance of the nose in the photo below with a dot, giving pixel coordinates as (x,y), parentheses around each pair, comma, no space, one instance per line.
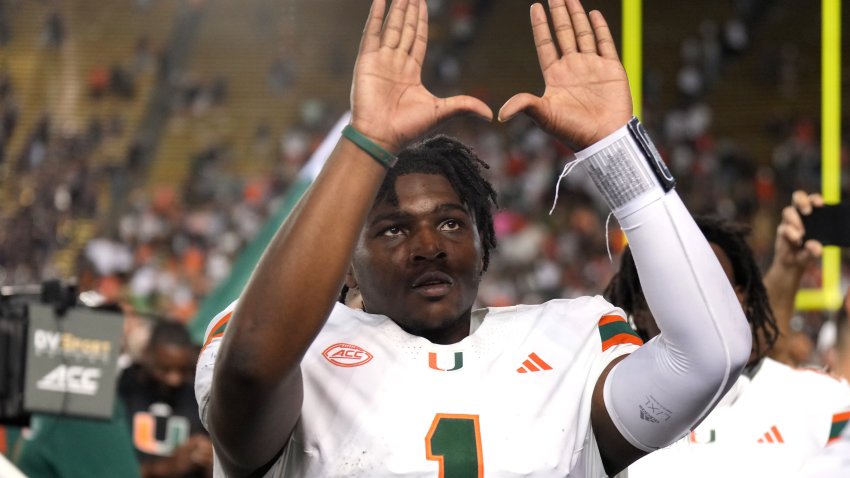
(427,245)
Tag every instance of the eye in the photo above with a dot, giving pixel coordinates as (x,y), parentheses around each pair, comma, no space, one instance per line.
(451,225)
(392,231)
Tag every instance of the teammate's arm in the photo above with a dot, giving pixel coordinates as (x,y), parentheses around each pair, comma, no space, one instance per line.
(791,257)
(653,396)
(256,393)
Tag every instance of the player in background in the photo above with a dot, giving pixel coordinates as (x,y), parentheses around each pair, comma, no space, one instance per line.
(834,460)
(292,383)
(775,417)
(837,357)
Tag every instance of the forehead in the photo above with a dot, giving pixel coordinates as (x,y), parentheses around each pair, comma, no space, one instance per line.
(420,193)
(171,355)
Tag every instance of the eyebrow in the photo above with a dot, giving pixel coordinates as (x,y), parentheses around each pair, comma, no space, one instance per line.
(399,215)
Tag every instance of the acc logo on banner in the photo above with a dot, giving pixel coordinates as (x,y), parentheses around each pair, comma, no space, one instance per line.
(71,379)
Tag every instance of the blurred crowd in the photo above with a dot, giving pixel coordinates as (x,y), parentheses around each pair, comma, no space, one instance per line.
(170,246)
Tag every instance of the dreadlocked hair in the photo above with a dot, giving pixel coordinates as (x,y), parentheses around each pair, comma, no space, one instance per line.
(343,294)
(446,156)
(625,290)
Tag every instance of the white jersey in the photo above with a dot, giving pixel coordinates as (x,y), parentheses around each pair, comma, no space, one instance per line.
(511,399)
(833,461)
(765,426)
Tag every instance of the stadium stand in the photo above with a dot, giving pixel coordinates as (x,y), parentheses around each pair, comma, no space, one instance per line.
(230,98)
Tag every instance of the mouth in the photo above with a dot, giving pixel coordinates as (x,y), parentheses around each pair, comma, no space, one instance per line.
(432,285)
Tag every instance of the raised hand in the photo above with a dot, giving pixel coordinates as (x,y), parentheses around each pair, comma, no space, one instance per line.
(389,104)
(587,93)
(791,257)
(789,249)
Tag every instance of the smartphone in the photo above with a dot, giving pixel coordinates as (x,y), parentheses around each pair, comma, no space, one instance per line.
(829,224)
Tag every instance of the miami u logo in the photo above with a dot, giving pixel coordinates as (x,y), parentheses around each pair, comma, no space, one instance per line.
(702,436)
(146,426)
(432,362)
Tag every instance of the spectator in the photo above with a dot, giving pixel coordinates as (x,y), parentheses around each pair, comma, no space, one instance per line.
(163,415)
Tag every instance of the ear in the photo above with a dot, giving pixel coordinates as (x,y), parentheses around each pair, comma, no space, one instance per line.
(350,280)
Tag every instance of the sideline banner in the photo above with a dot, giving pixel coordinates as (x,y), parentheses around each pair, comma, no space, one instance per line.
(72,361)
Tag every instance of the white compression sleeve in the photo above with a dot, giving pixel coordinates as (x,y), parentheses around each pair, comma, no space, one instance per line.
(663,389)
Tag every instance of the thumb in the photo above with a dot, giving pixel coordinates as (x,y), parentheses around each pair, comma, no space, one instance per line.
(457,105)
(532,105)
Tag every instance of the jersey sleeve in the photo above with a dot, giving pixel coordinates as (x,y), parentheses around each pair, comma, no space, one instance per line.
(614,330)
(611,337)
(837,405)
(206,359)
(839,424)
(616,338)
(602,327)
(833,461)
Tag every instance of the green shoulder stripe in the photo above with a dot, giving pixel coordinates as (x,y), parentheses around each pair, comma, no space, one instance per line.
(612,329)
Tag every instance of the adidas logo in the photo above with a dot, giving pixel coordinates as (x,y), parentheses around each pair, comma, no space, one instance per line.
(772,436)
(647,417)
(534,364)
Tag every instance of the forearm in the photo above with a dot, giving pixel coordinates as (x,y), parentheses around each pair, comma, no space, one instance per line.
(256,389)
(781,283)
(298,278)
(705,339)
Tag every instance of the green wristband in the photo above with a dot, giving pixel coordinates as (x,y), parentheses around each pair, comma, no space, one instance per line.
(381,155)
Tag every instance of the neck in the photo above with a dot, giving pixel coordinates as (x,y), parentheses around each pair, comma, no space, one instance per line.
(449,333)
(842,366)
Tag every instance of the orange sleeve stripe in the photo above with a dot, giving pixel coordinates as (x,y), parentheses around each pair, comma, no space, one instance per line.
(607,319)
(209,340)
(222,322)
(841,417)
(4,445)
(621,339)
(218,329)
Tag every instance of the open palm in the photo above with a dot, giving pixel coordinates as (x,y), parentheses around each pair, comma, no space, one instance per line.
(390,105)
(587,93)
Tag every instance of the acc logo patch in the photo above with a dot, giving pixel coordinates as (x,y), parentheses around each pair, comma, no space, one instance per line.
(346,355)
